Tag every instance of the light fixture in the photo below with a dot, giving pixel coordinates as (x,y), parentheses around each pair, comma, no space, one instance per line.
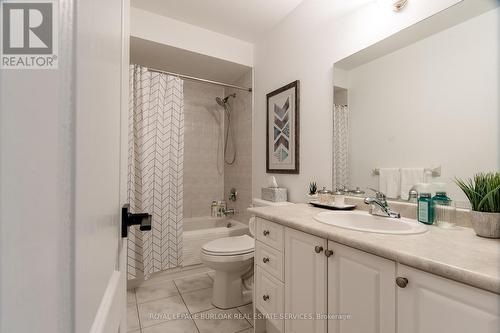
(399,5)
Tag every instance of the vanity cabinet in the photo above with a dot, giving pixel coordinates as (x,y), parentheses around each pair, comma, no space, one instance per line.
(305,282)
(300,277)
(430,303)
(362,286)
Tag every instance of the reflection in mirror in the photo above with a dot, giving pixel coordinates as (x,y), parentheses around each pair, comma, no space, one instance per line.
(421,107)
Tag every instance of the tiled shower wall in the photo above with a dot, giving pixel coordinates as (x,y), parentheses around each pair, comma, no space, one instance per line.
(239,175)
(203,169)
(206,178)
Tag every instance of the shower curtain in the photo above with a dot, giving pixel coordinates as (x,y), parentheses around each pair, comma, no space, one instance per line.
(155,170)
(340,146)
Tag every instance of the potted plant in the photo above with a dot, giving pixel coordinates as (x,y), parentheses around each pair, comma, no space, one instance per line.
(312,188)
(483,192)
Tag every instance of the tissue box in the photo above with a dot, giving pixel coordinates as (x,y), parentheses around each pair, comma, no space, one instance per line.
(274,194)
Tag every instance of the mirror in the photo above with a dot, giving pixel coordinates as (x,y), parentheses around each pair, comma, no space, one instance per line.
(422,104)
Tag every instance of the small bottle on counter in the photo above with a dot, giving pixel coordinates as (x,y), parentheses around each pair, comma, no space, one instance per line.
(425,210)
(325,196)
(444,210)
(441,198)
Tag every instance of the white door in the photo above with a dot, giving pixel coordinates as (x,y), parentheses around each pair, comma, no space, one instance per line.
(432,304)
(101,106)
(363,286)
(60,152)
(305,282)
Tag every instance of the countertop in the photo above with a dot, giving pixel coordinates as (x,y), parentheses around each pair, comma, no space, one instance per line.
(457,254)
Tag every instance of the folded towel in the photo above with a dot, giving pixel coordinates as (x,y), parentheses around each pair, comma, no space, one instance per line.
(389,182)
(409,178)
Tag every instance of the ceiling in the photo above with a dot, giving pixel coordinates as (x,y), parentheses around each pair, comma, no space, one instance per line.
(172,59)
(243,19)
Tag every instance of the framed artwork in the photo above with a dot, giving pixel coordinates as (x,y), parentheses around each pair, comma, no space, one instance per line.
(282,144)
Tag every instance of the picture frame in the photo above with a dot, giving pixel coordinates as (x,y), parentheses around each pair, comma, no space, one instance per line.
(283,129)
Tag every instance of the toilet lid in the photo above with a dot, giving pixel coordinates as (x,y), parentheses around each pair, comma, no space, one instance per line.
(230,245)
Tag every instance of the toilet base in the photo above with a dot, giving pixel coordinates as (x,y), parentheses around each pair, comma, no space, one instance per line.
(228,290)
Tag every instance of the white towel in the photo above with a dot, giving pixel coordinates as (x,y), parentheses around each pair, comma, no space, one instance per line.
(409,178)
(389,182)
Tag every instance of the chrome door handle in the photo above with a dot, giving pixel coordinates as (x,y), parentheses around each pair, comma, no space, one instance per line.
(402,282)
(318,249)
(328,253)
(265,260)
(265,232)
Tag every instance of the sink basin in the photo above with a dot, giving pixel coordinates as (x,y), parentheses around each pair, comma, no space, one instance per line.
(363,221)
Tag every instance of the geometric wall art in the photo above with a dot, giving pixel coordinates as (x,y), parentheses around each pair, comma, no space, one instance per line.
(282,144)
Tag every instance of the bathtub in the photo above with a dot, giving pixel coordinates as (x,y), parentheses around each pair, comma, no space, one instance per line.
(200,230)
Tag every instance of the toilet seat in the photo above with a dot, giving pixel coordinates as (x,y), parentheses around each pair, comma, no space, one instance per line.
(230,246)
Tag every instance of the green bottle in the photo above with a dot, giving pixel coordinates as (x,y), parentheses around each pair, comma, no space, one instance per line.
(425,209)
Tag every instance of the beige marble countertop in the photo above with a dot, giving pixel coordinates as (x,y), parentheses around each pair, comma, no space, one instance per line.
(457,254)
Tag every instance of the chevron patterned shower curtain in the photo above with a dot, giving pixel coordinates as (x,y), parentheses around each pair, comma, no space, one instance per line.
(340,146)
(155,169)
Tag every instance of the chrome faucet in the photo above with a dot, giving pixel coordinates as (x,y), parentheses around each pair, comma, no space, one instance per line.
(379,205)
(226,211)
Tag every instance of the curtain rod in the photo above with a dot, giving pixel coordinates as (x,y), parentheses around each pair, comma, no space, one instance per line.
(192,78)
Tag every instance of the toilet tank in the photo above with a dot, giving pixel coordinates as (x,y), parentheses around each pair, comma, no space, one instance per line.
(263,203)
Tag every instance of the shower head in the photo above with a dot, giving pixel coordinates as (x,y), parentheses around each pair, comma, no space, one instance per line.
(223,101)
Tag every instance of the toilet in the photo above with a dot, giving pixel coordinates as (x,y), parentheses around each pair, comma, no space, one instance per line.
(232,260)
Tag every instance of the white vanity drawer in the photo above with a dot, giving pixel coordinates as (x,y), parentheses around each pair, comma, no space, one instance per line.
(270,233)
(269,299)
(271,260)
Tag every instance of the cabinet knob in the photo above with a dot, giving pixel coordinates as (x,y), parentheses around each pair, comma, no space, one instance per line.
(328,253)
(265,297)
(265,260)
(265,232)
(318,249)
(402,282)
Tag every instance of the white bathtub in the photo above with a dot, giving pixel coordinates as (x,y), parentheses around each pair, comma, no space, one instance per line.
(200,230)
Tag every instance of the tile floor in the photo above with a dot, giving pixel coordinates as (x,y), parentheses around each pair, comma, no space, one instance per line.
(152,307)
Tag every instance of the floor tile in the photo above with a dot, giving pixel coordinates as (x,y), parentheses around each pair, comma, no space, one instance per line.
(199,300)
(173,326)
(156,312)
(194,282)
(132,318)
(247,310)
(154,292)
(225,322)
(131,296)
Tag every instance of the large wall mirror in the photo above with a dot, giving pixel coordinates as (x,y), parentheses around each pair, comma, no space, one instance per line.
(422,105)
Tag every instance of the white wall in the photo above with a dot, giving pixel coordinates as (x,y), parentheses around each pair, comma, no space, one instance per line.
(304,46)
(432,103)
(165,30)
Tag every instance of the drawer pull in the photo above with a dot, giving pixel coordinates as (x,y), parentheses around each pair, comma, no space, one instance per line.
(265,297)
(265,260)
(328,253)
(401,282)
(265,232)
(318,249)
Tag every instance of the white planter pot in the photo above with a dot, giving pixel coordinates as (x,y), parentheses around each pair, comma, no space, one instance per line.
(486,224)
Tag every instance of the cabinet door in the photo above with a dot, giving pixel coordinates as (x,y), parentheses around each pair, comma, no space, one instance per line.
(432,304)
(305,282)
(361,286)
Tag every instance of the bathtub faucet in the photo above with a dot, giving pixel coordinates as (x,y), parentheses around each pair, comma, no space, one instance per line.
(226,211)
